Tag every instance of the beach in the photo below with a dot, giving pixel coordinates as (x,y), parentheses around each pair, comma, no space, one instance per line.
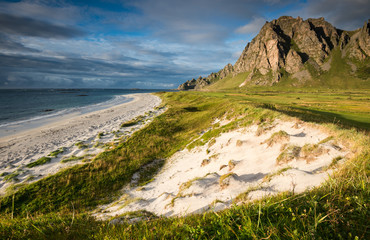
(78,138)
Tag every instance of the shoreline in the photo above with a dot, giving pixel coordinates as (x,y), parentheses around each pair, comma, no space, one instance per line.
(17,127)
(19,150)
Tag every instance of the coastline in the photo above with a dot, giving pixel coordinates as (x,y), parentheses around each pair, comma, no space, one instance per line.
(18,150)
(18,126)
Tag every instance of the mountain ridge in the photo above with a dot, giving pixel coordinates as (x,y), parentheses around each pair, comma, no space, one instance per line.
(300,52)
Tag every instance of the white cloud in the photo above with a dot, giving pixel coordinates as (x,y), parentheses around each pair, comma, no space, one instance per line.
(252,27)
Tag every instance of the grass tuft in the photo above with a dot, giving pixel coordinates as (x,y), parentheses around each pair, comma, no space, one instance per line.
(56,152)
(38,162)
(288,154)
(81,145)
(71,158)
(277,137)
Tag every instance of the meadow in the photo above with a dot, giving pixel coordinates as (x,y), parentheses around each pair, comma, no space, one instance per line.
(59,206)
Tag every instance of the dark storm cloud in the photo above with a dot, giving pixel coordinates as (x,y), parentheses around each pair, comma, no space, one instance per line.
(7,43)
(36,71)
(31,27)
(344,14)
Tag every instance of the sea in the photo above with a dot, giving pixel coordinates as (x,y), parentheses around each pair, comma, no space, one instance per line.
(27,108)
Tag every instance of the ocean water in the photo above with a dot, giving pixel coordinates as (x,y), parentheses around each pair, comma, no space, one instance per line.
(19,107)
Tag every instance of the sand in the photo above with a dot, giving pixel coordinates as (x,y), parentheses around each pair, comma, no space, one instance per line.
(210,177)
(16,151)
(238,166)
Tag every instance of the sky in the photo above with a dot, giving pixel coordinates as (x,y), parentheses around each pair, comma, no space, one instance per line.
(153,44)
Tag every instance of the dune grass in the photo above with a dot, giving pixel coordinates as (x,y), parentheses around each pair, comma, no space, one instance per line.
(81,145)
(56,207)
(56,152)
(336,210)
(39,162)
(71,158)
(97,182)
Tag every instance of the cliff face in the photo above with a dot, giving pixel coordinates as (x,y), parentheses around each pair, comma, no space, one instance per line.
(292,46)
(203,82)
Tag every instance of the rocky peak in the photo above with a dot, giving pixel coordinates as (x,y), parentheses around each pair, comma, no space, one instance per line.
(287,45)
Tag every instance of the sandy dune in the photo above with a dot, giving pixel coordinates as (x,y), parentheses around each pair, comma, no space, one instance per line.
(210,177)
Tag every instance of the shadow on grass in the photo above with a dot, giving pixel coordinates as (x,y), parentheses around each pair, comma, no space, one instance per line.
(310,115)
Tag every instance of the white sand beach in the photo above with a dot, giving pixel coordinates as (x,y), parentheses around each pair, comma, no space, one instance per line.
(16,151)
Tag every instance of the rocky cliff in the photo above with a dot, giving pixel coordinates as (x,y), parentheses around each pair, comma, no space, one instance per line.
(298,49)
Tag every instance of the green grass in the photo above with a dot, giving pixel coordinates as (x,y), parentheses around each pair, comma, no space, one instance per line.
(11,176)
(222,181)
(97,182)
(56,207)
(229,82)
(288,154)
(71,158)
(56,152)
(38,162)
(133,122)
(268,177)
(277,137)
(348,109)
(81,145)
(101,134)
(336,210)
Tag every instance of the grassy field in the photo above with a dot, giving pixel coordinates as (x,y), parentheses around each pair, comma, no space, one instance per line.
(58,206)
(344,108)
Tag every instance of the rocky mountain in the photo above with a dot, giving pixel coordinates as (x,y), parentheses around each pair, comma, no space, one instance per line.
(299,52)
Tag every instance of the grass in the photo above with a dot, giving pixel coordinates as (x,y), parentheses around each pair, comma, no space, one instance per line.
(101,134)
(224,179)
(97,182)
(56,152)
(277,137)
(243,197)
(11,176)
(38,162)
(81,145)
(313,105)
(270,176)
(333,163)
(310,151)
(132,122)
(56,207)
(71,158)
(229,82)
(188,184)
(231,164)
(289,153)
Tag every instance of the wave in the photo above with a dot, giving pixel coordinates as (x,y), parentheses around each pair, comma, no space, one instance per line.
(119,99)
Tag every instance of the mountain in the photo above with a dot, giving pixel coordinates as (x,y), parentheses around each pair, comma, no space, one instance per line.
(295,52)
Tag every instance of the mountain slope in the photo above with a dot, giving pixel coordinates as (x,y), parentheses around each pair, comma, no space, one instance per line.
(293,52)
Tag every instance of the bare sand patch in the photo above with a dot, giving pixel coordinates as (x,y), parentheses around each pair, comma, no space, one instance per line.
(238,166)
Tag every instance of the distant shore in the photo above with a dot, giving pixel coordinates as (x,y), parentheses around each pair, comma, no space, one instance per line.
(20,149)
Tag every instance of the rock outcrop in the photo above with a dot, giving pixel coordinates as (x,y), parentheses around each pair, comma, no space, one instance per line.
(289,46)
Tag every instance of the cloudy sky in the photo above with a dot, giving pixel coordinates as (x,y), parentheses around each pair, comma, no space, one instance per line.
(140,43)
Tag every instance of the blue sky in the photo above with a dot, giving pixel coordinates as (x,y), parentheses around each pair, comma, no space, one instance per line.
(140,43)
